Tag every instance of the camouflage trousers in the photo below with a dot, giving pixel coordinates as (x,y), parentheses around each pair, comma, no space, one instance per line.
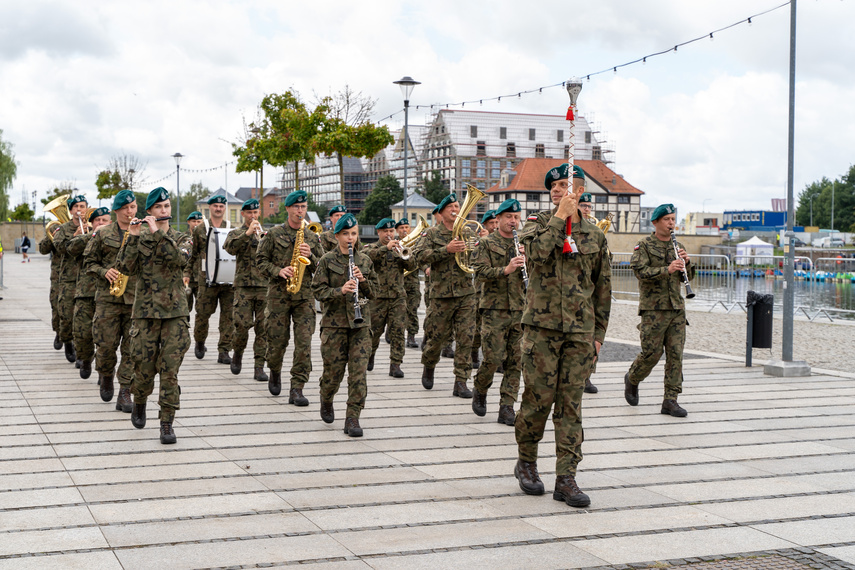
(414,299)
(249,313)
(661,331)
(192,291)
(112,326)
(158,347)
(278,316)
(389,312)
(502,332)
(66,311)
(447,315)
(349,348)
(476,339)
(54,306)
(206,304)
(554,366)
(84,314)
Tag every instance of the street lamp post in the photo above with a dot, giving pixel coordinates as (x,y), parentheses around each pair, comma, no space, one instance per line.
(178,156)
(406,84)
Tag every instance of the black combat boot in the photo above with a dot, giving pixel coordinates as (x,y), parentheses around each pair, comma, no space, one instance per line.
(351,427)
(70,354)
(138,415)
(57,344)
(86,369)
(476,359)
(479,403)
(236,363)
(370,363)
(123,402)
(395,371)
(106,387)
(566,490)
(427,378)
(224,358)
(460,390)
(672,408)
(526,474)
(447,352)
(630,391)
(411,341)
(199,351)
(506,415)
(275,383)
(166,433)
(297,398)
(590,388)
(260,375)
(78,363)
(327,412)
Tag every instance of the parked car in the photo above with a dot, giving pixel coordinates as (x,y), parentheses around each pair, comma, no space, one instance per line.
(798,243)
(828,242)
(836,242)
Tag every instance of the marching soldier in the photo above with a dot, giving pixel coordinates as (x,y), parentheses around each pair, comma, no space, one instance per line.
(489,223)
(68,272)
(412,287)
(191,272)
(497,266)
(157,254)
(207,296)
(46,247)
(388,307)
(661,308)
(250,290)
(585,207)
(452,298)
(564,324)
(84,295)
(328,241)
(274,259)
(344,341)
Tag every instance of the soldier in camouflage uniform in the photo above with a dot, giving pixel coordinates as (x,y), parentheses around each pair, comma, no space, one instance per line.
(157,254)
(250,290)
(111,327)
(274,256)
(68,272)
(191,272)
(412,287)
(564,324)
(452,299)
(84,295)
(585,206)
(328,241)
(344,342)
(497,268)
(662,310)
(489,223)
(389,305)
(46,247)
(207,296)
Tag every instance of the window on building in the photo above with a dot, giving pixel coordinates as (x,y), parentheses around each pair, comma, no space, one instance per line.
(644,214)
(566,152)
(465,170)
(481,149)
(481,185)
(532,197)
(587,137)
(512,149)
(503,132)
(531,134)
(496,169)
(270,204)
(508,196)
(560,137)
(473,131)
(623,199)
(539,150)
(755,217)
(601,199)
(481,171)
(233,216)
(597,153)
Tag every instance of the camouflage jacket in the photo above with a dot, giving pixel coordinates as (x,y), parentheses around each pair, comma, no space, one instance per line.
(446,278)
(70,265)
(571,294)
(330,277)
(657,289)
(389,268)
(192,271)
(411,281)
(497,290)
(87,283)
(199,251)
(329,243)
(244,247)
(100,256)
(46,247)
(275,252)
(158,260)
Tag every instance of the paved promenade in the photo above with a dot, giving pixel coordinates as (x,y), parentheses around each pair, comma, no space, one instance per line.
(760,475)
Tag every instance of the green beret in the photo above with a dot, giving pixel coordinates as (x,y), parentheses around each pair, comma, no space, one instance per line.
(122,199)
(195,215)
(216,199)
(336,210)
(450,199)
(99,212)
(402,222)
(578,172)
(345,222)
(251,204)
(297,197)
(662,210)
(586,197)
(157,195)
(488,215)
(74,200)
(385,224)
(509,205)
(561,172)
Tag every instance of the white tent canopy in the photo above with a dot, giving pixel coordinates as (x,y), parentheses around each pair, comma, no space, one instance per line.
(754,252)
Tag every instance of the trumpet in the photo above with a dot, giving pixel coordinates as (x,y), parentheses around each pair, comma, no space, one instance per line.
(138,222)
(401,251)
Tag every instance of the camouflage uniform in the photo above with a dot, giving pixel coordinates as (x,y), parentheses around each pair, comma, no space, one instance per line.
(501,306)
(412,286)
(84,302)
(161,331)
(452,300)
(662,311)
(274,253)
(192,273)
(250,293)
(208,296)
(343,342)
(68,272)
(567,310)
(46,247)
(389,305)
(112,323)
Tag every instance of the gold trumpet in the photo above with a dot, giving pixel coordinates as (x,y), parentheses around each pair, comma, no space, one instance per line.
(410,239)
(59,208)
(463,228)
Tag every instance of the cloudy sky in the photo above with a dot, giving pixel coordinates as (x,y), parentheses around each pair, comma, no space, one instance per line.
(704,128)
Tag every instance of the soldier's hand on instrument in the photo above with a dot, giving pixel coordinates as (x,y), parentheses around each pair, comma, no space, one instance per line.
(286,272)
(305,250)
(566,207)
(676,265)
(683,255)
(112,274)
(78,231)
(357,273)
(483,233)
(427,271)
(252,227)
(514,264)
(393,244)
(134,229)
(186,281)
(152,223)
(456,246)
(349,287)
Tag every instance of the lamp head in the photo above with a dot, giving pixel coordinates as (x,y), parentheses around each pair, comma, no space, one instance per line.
(574,86)
(177,156)
(406,84)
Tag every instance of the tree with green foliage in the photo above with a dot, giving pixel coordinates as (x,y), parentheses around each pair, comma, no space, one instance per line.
(8,171)
(387,191)
(23,213)
(434,187)
(124,171)
(821,190)
(197,192)
(320,209)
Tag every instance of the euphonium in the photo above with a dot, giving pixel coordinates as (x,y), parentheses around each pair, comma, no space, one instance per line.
(298,262)
(462,230)
(59,208)
(117,287)
(606,223)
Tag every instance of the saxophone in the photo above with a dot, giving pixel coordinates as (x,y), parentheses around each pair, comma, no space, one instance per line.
(298,262)
(117,287)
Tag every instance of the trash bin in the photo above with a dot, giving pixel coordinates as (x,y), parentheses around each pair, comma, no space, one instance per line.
(759,329)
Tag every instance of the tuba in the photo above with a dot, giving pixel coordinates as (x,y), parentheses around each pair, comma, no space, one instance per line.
(117,287)
(463,229)
(59,208)
(298,262)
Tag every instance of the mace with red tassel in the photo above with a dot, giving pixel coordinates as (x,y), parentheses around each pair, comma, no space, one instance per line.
(574,86)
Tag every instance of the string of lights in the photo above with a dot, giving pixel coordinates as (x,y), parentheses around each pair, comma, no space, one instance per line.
(643,59)
(171,174)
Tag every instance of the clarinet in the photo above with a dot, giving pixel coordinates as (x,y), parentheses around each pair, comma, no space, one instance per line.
(522,269)
(685,277)
(357,310)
